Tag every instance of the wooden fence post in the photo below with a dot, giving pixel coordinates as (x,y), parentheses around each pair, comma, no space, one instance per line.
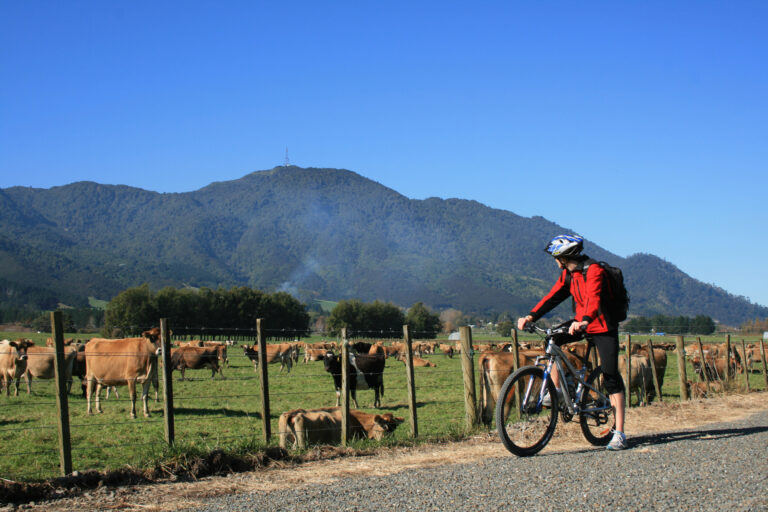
(629,371)
(727,360)
(703,364)
(681,368)
(264,378)
(765,364)
(62,401)
(468,370)
(654,370)
(744,364)
(344,387)
(165,341)
(411,383)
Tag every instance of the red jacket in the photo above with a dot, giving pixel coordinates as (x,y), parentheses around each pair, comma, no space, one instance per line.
(586,296)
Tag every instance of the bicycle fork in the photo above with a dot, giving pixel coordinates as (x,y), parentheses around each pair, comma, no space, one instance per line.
(571,407)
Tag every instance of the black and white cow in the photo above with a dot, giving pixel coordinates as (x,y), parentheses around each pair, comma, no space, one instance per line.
(365,372)
(360,347)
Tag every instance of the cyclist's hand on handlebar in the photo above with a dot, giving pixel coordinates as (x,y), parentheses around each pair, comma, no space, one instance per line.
(577,327)
(521,322)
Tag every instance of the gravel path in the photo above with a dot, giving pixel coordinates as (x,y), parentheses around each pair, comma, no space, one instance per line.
(718,467)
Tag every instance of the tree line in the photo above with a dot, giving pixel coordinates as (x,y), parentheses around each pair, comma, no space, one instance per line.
(382,320)
(700,324)
(755,326)
(138,308)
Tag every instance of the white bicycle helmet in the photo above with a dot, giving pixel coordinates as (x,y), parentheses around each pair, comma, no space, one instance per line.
(565,245)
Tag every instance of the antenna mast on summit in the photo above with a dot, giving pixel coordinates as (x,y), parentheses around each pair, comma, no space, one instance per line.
(287,162)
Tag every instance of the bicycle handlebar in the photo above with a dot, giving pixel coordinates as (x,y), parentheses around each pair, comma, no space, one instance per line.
(533,328)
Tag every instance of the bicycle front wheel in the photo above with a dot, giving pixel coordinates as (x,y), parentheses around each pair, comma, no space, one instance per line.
(596,425)
(524,425)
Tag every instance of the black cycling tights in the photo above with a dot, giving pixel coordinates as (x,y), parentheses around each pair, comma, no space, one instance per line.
(608,347)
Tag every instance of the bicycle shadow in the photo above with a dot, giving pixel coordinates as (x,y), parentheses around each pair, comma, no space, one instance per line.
(662,438)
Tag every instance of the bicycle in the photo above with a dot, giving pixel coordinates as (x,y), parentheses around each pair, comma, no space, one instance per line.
(525,425)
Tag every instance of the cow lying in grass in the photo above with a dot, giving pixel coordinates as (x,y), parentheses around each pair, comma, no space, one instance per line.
(302,428)
(418,361)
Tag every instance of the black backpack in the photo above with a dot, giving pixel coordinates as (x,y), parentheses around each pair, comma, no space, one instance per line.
(617,308)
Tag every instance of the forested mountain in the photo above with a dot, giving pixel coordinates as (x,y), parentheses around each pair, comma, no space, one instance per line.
(317,233)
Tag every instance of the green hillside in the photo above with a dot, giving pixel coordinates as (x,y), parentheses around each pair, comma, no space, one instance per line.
(317,233)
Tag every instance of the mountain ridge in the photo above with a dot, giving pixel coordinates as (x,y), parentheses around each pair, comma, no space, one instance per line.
(318,233)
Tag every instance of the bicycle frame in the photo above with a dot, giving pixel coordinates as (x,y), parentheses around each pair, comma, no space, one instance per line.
(557,357)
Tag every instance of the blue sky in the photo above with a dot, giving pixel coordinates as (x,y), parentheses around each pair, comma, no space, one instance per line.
(640,125)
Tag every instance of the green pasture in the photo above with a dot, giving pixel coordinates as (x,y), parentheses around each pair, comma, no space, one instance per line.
(209,414)
(225,413)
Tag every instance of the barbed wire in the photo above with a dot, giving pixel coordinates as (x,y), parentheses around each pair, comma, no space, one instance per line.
(17,429)
(117,445)
(40,452)
(431,379)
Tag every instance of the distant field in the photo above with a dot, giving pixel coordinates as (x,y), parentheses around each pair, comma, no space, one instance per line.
(225,414)
(326,305)
(97,303)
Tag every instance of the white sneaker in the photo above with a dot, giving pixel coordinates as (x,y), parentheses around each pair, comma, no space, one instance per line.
(546,400)
(618,441)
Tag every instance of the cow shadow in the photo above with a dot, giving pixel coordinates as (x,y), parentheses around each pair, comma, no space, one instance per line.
(397,407)
(7,422)
(194,411)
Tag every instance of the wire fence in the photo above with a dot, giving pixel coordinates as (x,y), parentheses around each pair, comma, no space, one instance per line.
(228,410)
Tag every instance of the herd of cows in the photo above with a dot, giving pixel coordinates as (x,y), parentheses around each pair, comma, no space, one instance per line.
(109,363)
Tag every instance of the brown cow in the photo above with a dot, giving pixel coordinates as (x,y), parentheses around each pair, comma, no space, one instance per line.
(302,428)
(447,349)
(754,355)
(121,362)
(41,364)
(276,353)
(579,350)
(660,360)
(377,348)
(221,350)
(196,358)
(699,389)
(13,363)
(428,347)
(191,343)
(78,370)
(50,343)
(715,367)
(153,335)
(314,354)
(393,350)
(495,367)
(418,361)
(641,376)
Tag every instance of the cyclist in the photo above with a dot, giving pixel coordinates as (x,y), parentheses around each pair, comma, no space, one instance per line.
(587,294)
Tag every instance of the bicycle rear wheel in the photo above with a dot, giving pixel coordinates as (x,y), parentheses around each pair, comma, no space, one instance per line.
(525,427)
(596,426)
